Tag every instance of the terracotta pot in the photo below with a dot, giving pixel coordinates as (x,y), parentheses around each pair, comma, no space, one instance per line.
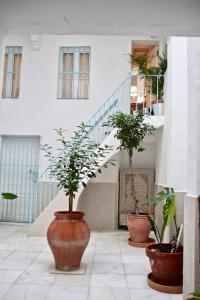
(167,268)
(68,236)
(139,227)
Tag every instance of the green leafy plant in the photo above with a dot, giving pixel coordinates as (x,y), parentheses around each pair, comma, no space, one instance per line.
(156,82)
(8,196)
(169,215)
(80,160)
(193,296)
(131,130)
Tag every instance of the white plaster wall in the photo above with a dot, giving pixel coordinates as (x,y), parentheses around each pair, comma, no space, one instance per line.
(193,125)
(191,218)
(37,111)
(145,159)
(171,162)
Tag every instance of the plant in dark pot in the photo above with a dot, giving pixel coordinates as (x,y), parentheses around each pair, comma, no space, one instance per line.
(166,259)
(131,130)
(80,160)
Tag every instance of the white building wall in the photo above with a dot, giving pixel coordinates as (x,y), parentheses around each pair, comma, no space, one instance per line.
(191,216)
(171,161)
(38,111)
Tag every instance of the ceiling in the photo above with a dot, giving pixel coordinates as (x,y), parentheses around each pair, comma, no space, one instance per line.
(153,18)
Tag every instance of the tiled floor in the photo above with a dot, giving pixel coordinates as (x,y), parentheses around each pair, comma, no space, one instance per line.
(115,271)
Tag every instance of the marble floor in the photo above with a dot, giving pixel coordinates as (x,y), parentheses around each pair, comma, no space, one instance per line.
(115,271)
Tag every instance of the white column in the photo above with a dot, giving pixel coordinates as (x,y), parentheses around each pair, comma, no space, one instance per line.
(191,218)
(171,156)
(176,113)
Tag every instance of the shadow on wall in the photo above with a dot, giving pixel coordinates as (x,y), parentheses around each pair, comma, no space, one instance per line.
(99,201)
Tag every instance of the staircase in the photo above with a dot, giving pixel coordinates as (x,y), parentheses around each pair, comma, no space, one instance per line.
(48,197)
(47,188)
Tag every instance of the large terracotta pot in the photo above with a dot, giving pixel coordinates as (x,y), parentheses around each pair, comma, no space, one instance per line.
(68,236)
(139,227)
(167,268)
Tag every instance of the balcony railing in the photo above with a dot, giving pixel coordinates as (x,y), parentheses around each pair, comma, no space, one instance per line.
(147,93)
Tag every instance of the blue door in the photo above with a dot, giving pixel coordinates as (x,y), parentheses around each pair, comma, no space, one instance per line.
(19,166)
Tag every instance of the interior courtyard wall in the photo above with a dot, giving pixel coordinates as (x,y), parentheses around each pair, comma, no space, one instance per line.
(38,111)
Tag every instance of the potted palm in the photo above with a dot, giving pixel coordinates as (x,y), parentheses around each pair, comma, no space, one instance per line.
(166,259)
(80,160)
(154,75)
(131,130)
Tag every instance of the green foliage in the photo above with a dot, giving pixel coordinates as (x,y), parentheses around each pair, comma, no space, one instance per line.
(8,196)
(141,61)
(169,212)
(157,83)
(131,129)
(194,296)
(80,160)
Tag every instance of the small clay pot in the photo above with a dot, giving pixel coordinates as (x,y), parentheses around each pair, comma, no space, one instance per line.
(68,236)
(167,268)
(139,227)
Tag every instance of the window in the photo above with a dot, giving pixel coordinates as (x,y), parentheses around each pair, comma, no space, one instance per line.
(74,71)
(11,77)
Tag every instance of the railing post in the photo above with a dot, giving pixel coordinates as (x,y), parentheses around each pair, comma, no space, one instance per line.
(129,92)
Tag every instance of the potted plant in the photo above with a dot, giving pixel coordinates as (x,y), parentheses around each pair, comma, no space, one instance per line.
(80,160)
(154,75)
(131,130)
(166,259)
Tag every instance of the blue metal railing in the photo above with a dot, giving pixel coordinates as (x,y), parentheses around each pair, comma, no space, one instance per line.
(147,93)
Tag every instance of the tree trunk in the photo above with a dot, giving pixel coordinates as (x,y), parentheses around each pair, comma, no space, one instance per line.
(70,203)
(130,155)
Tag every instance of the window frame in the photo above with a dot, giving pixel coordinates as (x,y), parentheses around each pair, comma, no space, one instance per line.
(76,51)
(9,70)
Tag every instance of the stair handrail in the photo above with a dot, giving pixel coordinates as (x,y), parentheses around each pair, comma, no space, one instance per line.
(89,122)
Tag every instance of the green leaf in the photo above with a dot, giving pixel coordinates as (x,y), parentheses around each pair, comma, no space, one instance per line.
(8,196)
(84,185)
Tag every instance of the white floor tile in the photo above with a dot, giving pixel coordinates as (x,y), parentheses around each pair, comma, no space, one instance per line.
(17,255)
(10,264)
(108,294)
(26,292)
(72,280)
(9,276)
(4,288)
(68,293)
(177,297)
(135,259)
(147,294)
(107,258)
(137,281)
(108,280)
(36,277)
(137,268)
(40,266)
(107,268)
(108,250)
